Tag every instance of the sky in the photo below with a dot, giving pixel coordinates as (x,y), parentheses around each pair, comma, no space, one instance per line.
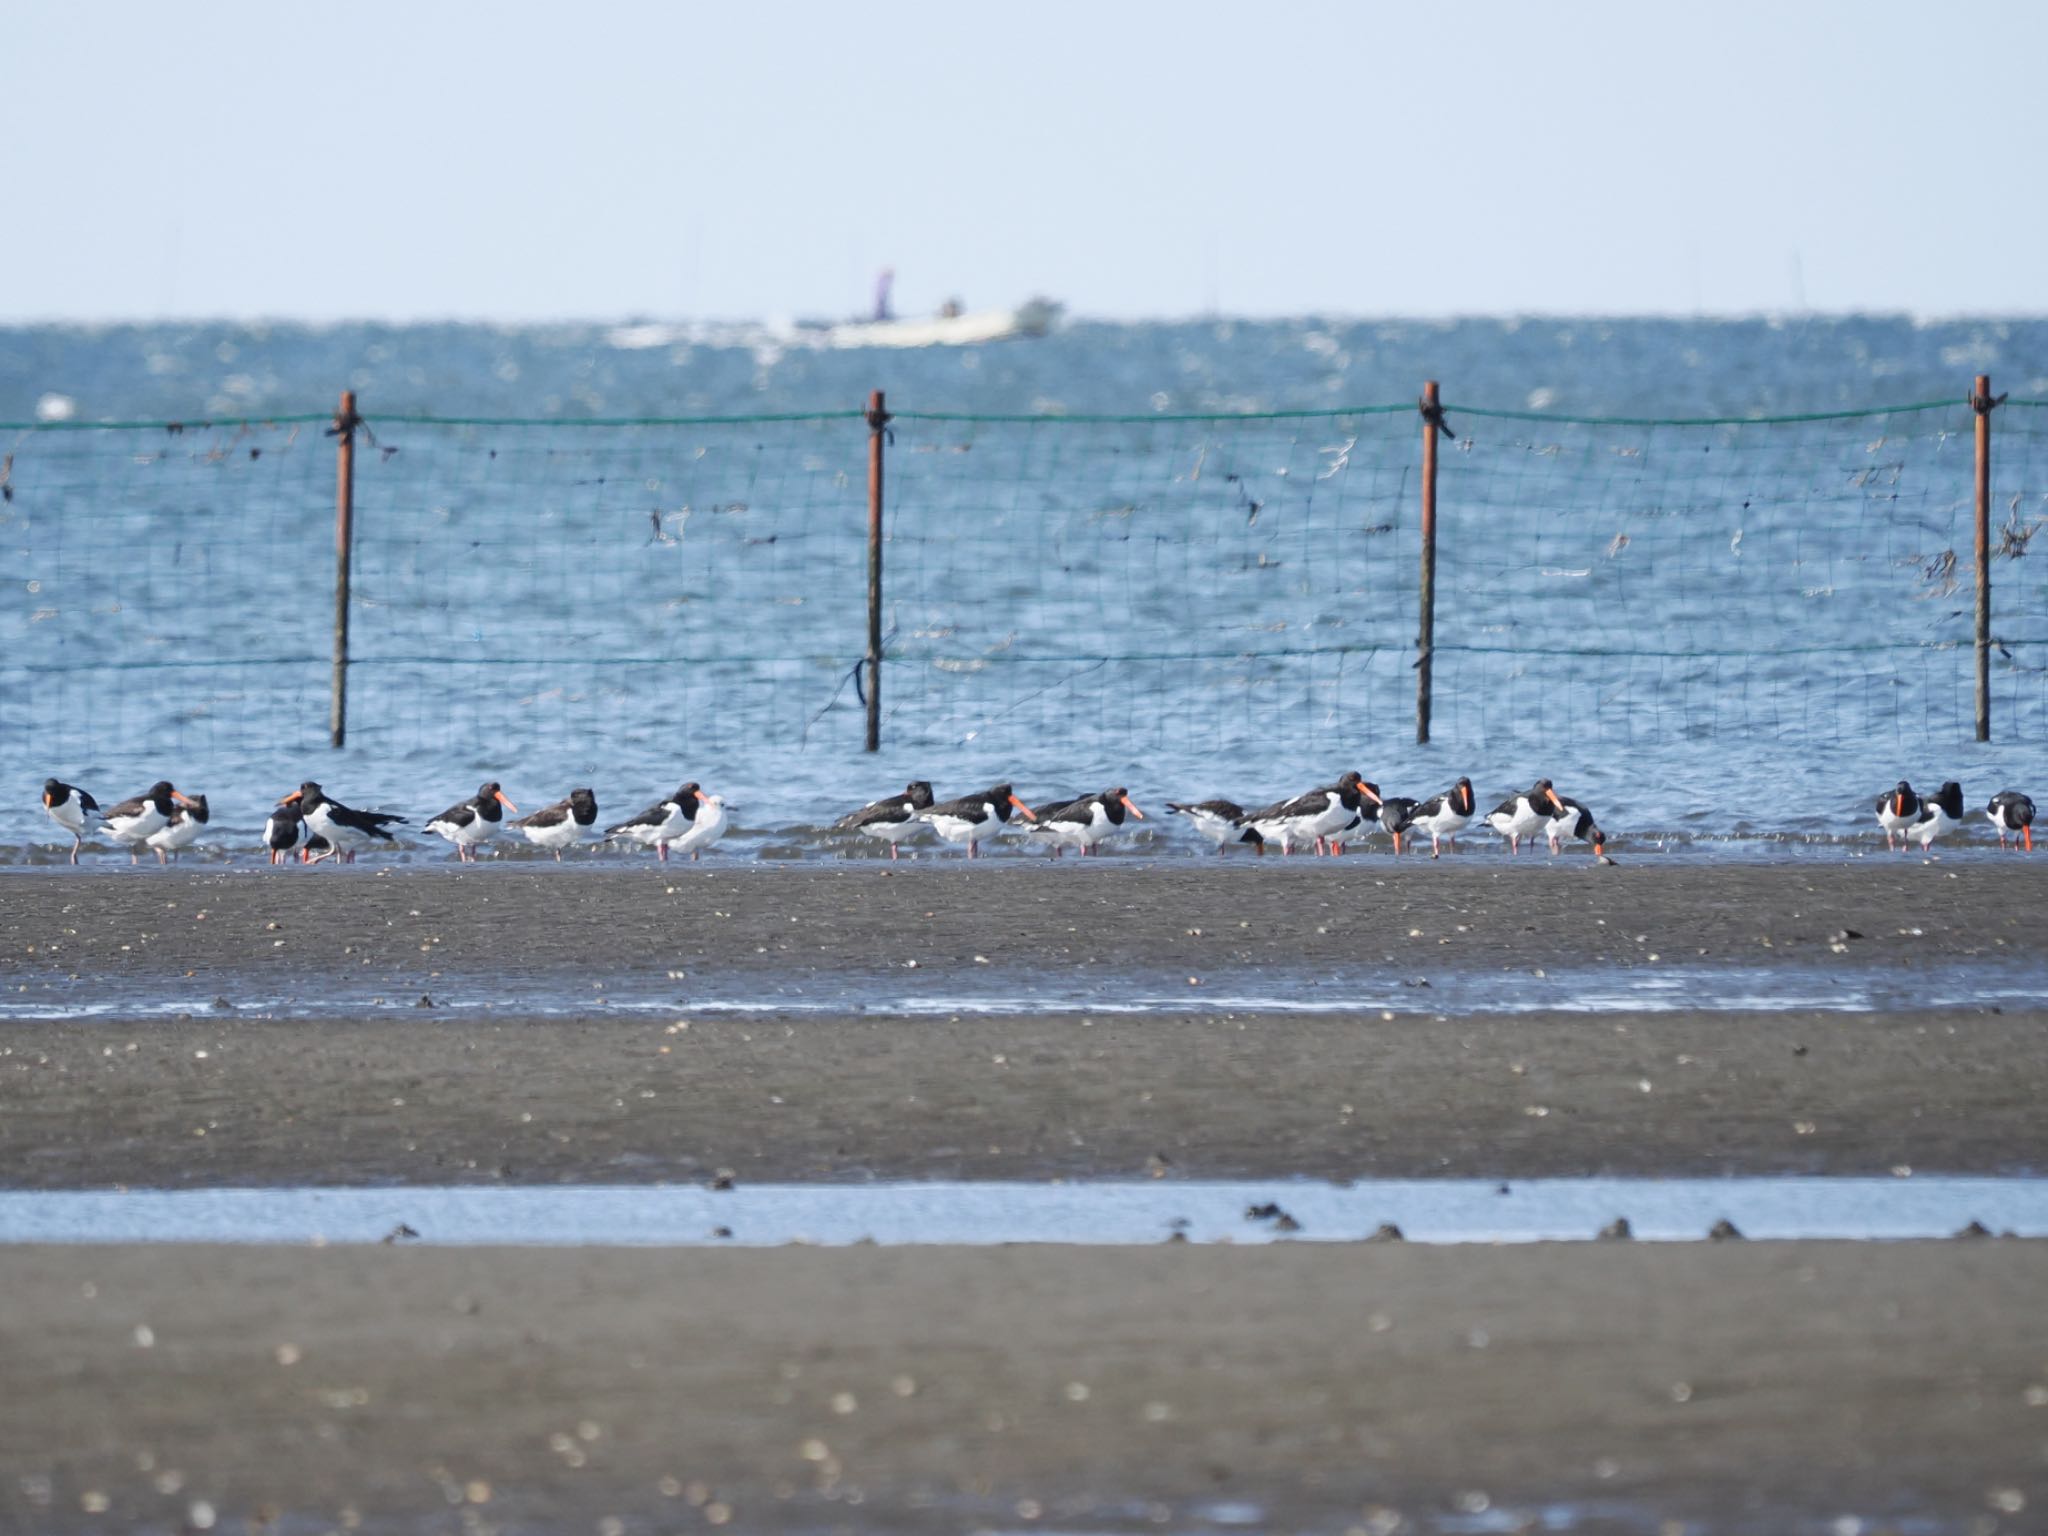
(521,161)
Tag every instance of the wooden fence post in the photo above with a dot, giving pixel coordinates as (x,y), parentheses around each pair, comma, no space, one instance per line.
(878,422)
(1982,403)
(344,434)
(1425,637)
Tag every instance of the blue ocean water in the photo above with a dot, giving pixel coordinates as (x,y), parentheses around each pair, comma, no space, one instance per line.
(1703,630)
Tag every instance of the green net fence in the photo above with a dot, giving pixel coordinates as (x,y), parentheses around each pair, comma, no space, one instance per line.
(1166,582)
(1129,585)
(1804,577)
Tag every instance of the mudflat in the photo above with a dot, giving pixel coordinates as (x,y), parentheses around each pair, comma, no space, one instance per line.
(510,1025)
(431,1097)
(1737,1386)
(292,931)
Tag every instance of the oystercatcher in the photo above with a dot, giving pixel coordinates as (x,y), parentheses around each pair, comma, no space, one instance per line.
(1938,813)
(1574,821)
(1526,814)
(187,822)
(1059,824)
(1085,824)
(1444,816)
(972,817)
(706,827)
(1397,815)
(132,821)
(282,831)
(346,831)
(557,826)
(1897,810)
(662,823)
(1221,821)
(891,820)
(475,820)
(1317,814)
(2013,814)
(68,806)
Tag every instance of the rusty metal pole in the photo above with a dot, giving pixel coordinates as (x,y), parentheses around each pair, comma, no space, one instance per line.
(344,433)
(878,422)
(1425,636)
(1982,404)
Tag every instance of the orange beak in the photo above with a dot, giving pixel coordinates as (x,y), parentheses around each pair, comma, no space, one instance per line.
(1898,805)
(1556,803)
(507,803)
(288,799)
(46,799)
(2027,832)
(183,801)
(1023,807)
(1133,809)
(1367,791)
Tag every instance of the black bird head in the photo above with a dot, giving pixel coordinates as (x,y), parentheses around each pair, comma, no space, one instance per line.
(919,794)
(1118,800)
(583,803)
(1002,799)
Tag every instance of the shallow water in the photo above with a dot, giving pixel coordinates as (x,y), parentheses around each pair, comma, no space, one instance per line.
(1009,990)
(1186,610)
(1425,1210)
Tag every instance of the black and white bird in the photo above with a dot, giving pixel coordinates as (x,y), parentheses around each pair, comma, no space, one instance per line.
(1938,813)
(1897,809)
(556,826)
(346,831)
(1085,824)
(1574,822)
(283,830)
(706,827)
(475,820)
(891,820)
(187,822)
(1058,824)
(662,823)
(973,817)
(133,821)
(1444,816)
(1314,816)
(1396,817)
(1526,814)
(2013,814)
(69,807)
(1221,821)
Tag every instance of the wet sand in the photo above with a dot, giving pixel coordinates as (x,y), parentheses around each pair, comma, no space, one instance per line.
(402,1093)
(1746,1387)
(295,930)
(434,1098)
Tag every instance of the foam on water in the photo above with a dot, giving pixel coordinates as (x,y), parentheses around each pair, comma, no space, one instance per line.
(1329,992)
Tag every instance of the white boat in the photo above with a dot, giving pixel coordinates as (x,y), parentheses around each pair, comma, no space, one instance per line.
(1034,317)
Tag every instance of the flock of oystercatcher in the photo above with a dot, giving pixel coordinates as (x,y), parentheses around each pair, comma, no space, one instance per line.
(316,826)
